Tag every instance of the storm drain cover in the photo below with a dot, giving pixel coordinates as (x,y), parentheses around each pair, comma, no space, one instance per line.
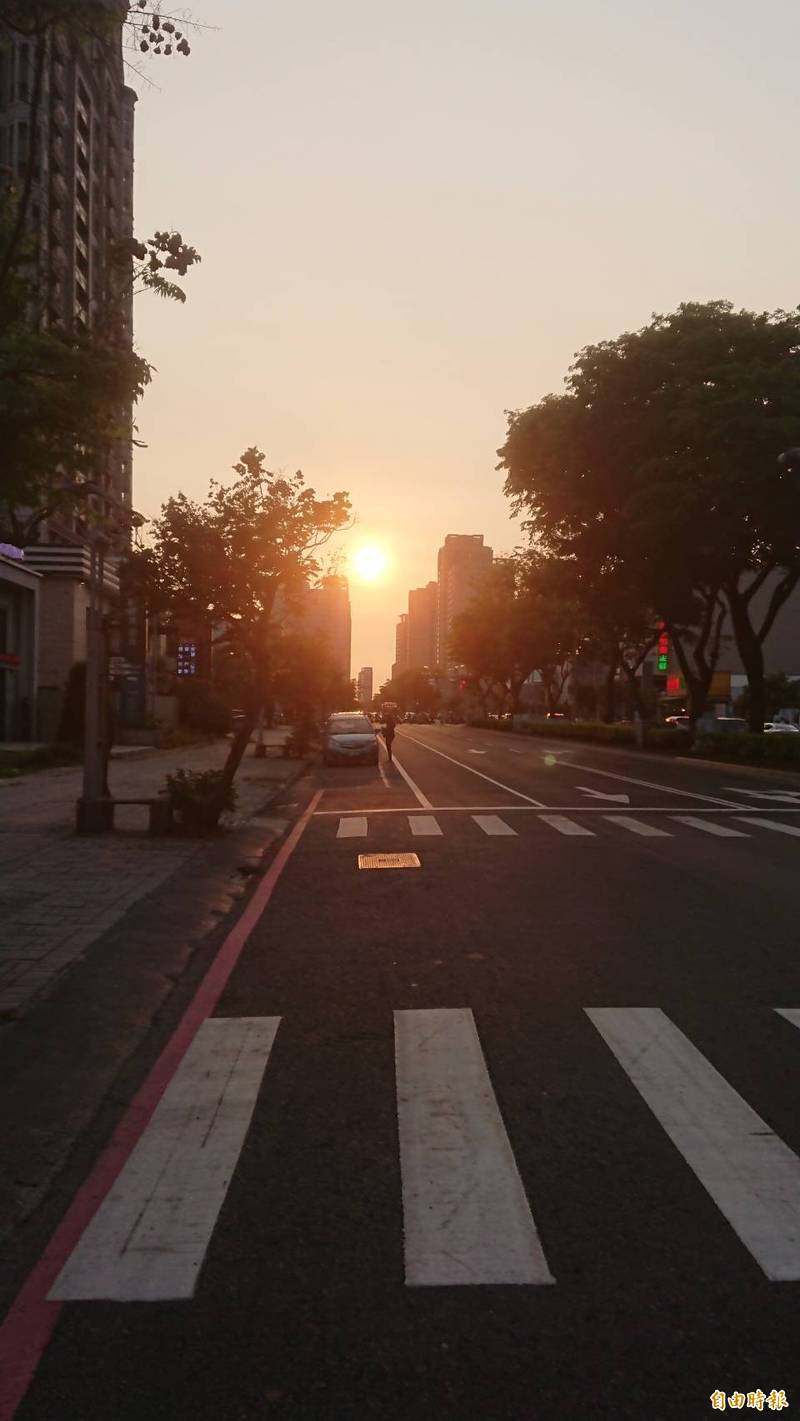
(388,861)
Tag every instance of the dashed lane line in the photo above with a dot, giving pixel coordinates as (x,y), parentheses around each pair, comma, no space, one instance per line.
(772,824)
(567,826)
(466,1217)
(752,1176)
(637,826)
(723,831)
(494,826)
(471,771)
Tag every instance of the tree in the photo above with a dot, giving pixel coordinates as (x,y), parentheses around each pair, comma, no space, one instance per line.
(150,30)
(234,562)
(659,463)
(412,690)
(519,621)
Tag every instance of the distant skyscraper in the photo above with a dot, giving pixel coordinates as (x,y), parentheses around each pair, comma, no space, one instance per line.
(464,561)
(422,625)
(324,614)
(401,662)
(364,687)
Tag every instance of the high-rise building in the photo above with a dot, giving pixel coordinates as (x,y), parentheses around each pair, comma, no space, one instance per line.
(71,128)
(324,615)
(401,662)
(364,686)
(422,625)
(464,561)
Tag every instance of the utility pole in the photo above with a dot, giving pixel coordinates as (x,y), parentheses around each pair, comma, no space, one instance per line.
(95,812)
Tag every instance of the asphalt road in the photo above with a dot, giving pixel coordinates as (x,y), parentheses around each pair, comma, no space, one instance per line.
(524,1140)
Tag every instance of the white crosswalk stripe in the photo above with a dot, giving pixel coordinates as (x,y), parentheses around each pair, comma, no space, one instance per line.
(776,824)
(566,826)
(637,826)
(466,1218)
(708,826)
(352,827)
(752,1176)
(493,825)
(149,1237)
(791,1014)
(423,825)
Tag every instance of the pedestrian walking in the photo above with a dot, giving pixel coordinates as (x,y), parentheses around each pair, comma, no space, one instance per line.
(389,727)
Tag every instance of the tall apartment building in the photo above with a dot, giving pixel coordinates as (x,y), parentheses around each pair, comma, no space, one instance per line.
(364,691)
(422,603)
(79,142)
(324,615)
(401,661)
(464,560)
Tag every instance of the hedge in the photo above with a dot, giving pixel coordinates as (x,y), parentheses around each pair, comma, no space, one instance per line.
(774,749)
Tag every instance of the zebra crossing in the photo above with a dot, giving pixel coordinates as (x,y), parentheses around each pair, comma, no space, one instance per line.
(361,826)
(465,1214)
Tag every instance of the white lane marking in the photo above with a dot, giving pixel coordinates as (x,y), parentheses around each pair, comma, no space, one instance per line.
(492,824)
(423,824)
(466,1218)
(635,826)
(709,827)
(149,1237)
(566,826)
(480,773)
(752,1176)
(477,752)
(532,809)
(781,796)
(353,828)
(415,789)
(382,767)
(772,824)
(647,784)
(792,1014)
(598,794)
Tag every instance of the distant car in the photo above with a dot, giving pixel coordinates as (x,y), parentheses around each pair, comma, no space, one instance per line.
(421,718)
(678,722)
(730,724)
(556,715)
(780,727)
(349,739)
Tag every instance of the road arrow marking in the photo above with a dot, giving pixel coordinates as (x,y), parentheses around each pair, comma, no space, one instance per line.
(598,794)
(781,796)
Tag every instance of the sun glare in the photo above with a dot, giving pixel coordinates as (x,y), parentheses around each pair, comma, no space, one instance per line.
(370,563)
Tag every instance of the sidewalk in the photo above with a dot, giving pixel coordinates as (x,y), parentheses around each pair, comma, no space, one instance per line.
(60,893)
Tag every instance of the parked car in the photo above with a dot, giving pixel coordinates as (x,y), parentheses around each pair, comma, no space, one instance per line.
(780,727)
(349,739)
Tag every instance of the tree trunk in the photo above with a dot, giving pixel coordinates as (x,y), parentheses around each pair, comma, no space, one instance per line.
(751,651)
(239,744)
(609,698)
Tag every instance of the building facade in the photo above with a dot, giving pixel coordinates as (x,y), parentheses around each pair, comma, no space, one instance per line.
(19,619)
(324,616)
(364,686)
(71,122)
(422,603)
(464,560)
(401,661)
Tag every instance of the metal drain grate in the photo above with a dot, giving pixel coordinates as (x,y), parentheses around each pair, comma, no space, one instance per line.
(388,861)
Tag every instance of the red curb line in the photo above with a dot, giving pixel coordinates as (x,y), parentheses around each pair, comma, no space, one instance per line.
(31,1319)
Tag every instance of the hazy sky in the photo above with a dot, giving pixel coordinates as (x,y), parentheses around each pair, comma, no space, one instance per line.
(412,215)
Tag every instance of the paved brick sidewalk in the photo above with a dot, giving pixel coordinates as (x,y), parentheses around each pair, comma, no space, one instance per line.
(60,893)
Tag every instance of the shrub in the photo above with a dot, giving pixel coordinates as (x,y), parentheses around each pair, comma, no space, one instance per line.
(753,749)
(201,707)
(198,797)
(671,738)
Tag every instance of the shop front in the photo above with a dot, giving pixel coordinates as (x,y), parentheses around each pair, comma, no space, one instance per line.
(19,618)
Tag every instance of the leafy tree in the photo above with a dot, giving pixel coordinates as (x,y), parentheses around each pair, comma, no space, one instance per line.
(519,621)
(781,693)
(659,463)
(413,690)
(234,561)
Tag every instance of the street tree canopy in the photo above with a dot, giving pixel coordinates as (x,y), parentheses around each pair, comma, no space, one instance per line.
(660,461)
(234,562)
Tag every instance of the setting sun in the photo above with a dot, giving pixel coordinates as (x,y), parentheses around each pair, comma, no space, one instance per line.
(370,563)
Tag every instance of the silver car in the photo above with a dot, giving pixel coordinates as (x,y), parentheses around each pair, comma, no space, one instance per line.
(349,740)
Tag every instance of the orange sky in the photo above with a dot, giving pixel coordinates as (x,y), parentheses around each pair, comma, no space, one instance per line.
(411,216)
